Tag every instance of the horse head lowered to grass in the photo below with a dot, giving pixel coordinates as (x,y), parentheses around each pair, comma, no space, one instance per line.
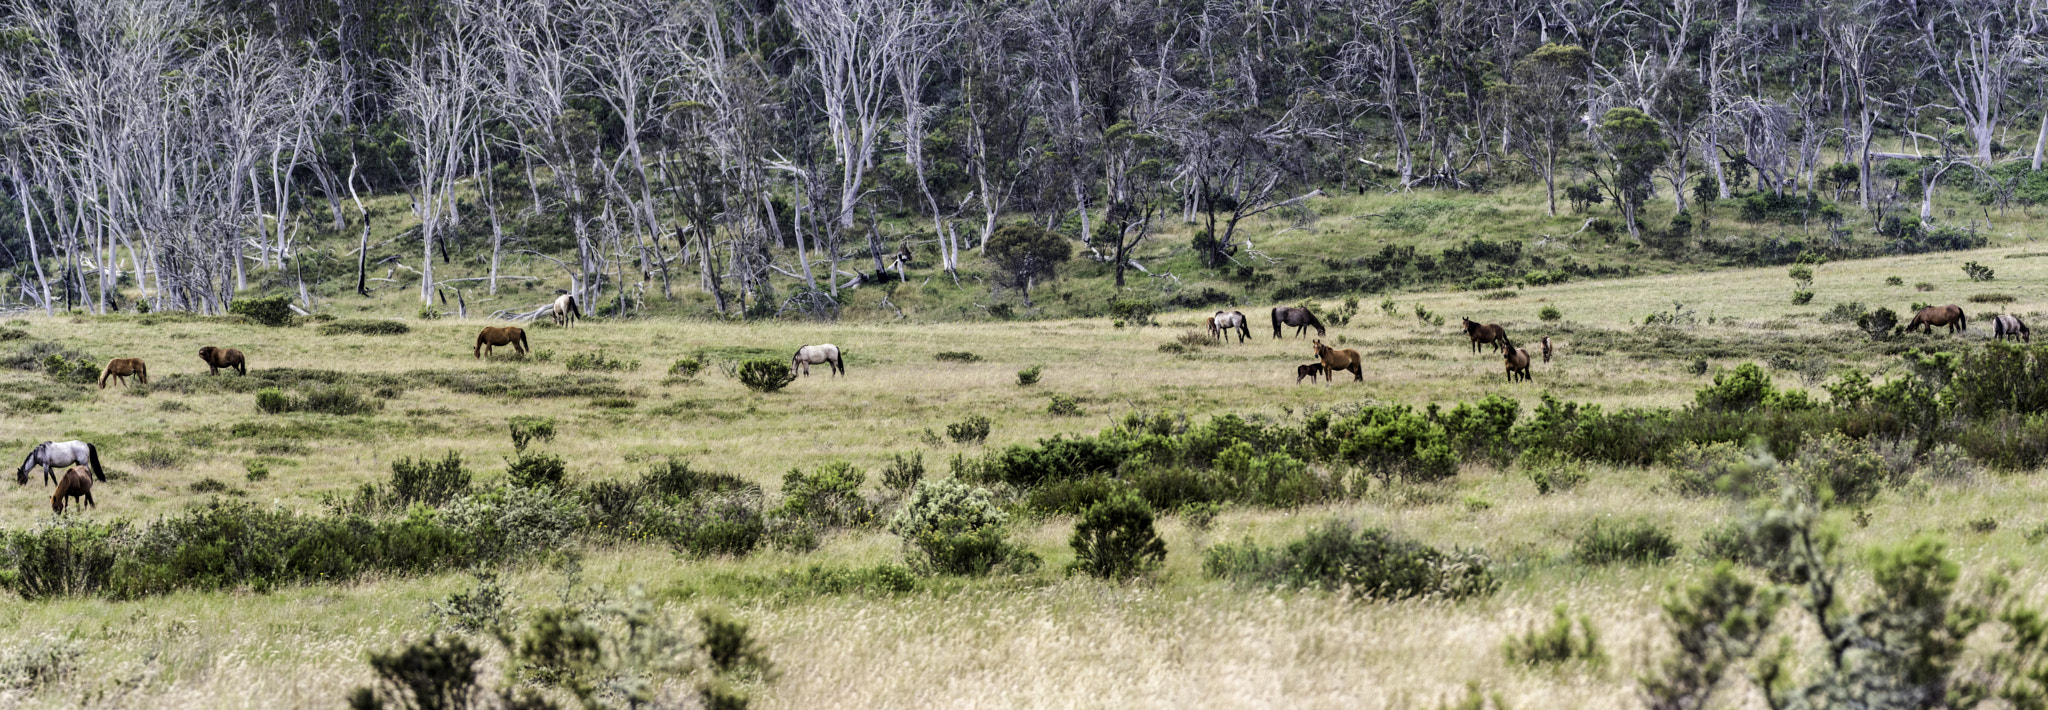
(1300,318)
(507,335)
(808,355)
(52,456)
(1931,317)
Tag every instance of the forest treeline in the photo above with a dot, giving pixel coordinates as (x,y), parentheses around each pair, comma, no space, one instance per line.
(173,147)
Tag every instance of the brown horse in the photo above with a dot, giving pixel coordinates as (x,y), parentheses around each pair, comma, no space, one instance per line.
(1300,318)
(1950,315)
(121,367)
(1490,334)
(1515,359)
(1309,371)
(218,359)
(74,484)
(1334,360)
(507,335)
(2010,327)
(1546,348)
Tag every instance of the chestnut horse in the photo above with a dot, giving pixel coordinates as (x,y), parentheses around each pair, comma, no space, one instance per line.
(75,484)
(507,335)
(1950,315)
(1334,360)
(2009,327)
(218,359)
(1490,334)
(121,367)
(1515,359)
(1300,318)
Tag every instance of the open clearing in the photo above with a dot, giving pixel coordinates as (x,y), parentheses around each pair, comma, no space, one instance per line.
(1174,639)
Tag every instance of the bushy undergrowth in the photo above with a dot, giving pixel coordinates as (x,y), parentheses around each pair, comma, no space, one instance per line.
(1115,539)
(950,527)
(364,327)
(764,375)
(336,400)
(1371,562)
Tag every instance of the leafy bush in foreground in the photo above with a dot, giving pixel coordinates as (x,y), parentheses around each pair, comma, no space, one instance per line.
(764,375)
(949,527)
(1370,562)
(1115,539)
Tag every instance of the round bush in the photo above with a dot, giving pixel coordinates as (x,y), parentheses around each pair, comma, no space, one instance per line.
(950,527)
(765,375)
(272,400)
(1116,540)
(273,311)
(1550,313)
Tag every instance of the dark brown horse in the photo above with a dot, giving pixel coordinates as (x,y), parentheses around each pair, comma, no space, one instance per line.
(1490,334)
(1932,316)
(121,367)
(1300,318)
(507,335)
(1309,371)
(218,359)
(2010,327)
(74,484)
(1334,360)
(1515,359)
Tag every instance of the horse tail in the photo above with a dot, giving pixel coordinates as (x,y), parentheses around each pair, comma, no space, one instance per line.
(1963,319)
(572,308)
(142,371)
(839,360)
(92,456)
(1276,321)
(522,341)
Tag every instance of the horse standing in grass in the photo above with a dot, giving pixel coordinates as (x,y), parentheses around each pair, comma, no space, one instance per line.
(2009,327)
(808,355)
(1334,360)
(1300,318)
(52,456)
(121,367)
(1223,322)
(507,335)
(1546,348)
(1309,371)
(1490,334)
(564,310)
(218,359)
(1927,319)
(1515,359)
(75,484)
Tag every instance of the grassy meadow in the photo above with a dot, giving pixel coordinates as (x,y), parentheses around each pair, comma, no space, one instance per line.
(1175,638)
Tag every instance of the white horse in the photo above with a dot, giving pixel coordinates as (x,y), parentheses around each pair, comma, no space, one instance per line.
(808,355)
(2010,326)
(1223,322)
(565,311)
(58,455)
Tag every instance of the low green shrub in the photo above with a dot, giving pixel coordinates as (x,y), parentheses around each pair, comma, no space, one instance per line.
(1549,313)
(1371,562)
(972,430)
(1064,406)
(513,522)
(828,497)
(950,527)
(1028,376)
(364,327)
(903,472)
(528,429)
(536,470)
(427,481)
(579,362)
(675,478)
(956,356)
(1608,542)
(731,525)
(1555,644)
(765,375)
(686,367)
(273,311)
(1115,539)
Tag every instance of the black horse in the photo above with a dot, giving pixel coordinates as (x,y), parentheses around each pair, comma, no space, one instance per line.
(1300,318)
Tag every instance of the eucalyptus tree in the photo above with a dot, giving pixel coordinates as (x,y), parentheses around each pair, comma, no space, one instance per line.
(1971,49)
(439,95)
(854,47)
(1542,107)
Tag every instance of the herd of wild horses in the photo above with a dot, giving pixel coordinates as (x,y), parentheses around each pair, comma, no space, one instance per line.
(80,461)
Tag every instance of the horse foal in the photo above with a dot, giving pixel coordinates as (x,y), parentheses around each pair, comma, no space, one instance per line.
(75,484)
(1309,371)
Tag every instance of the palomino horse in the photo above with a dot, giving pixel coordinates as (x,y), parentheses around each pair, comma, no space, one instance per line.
(218,359)
(1223,322)
(121,367)
(1334,360)
(507,335)
(1950,315)
(75,484)
(1300,318)
(60,454)
(808,355)
(2007,327)
(1309,371)
(1515,359)
(1546,348)
(564,310)
(1490,334)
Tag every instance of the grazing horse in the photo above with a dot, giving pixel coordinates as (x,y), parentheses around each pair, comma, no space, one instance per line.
(565,311)
(75,484)
(1300,318)
(507,335)
(1223,322)
(1515,359)
(1546,348)
(1334,360)
(218,359)
(2008,326)
(121,367)
(1309,371)
(1950,315)
(808,355)
(1490,334)
(53,456)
